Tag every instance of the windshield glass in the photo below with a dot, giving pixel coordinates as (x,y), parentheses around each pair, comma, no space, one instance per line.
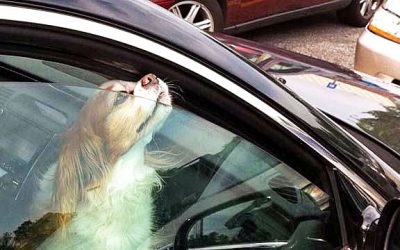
(363,102)
(88,168)
(384,124)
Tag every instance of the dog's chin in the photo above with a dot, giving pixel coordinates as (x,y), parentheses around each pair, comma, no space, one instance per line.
(145,125)
(159,114)
(165,99)
(157,107)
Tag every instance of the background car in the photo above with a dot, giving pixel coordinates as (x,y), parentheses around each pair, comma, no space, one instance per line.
(378,47)
(235,16)
(253,165)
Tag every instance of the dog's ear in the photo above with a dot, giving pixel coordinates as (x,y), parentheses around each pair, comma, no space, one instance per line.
(83,162)
(82,165)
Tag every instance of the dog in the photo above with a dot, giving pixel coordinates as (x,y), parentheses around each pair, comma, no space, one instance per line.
(101,185)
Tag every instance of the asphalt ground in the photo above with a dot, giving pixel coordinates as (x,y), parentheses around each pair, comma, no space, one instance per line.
(321,36)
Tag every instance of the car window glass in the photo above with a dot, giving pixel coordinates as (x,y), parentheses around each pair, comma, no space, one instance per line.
(381,123)
(245,194)
(41,126)
(166,165)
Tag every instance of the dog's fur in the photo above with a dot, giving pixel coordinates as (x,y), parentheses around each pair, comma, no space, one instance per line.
(101,185)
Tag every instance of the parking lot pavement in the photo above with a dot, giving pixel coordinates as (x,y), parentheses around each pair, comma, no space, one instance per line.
(321,36)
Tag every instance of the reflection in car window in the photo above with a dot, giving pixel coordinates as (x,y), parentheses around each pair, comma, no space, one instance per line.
(116,171)
(383,125)
(285,67)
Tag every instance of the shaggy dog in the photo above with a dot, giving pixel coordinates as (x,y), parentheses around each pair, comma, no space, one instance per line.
(101,185)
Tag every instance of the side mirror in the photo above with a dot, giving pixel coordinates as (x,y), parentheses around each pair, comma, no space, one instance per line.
(225,225)
(268,220)
(387,233)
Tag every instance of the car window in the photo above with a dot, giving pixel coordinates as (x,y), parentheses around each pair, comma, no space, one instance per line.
(94,169)
(241,193)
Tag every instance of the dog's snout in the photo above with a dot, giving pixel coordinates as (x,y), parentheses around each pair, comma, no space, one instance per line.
(152,88)
(149,79)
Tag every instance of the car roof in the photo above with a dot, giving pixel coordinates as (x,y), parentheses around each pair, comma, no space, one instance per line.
(144,17)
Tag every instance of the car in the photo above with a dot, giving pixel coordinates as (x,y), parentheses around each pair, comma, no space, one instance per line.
(378,46)
(247,163)
(238,16)
(373,101)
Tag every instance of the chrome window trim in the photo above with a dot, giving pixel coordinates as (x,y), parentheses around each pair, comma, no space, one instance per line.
(261,245)
(36,16)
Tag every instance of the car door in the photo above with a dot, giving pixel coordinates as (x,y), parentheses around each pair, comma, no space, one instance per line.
(226,158)
(256,9)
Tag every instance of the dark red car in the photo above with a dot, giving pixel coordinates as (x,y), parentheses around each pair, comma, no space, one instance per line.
(239,15)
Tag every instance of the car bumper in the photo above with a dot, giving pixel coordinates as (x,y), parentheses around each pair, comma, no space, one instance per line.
(377,56)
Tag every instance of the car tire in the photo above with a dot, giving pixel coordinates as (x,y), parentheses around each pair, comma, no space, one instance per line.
(359,12)
(208,10)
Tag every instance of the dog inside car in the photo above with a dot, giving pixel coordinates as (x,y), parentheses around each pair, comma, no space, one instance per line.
(101,186)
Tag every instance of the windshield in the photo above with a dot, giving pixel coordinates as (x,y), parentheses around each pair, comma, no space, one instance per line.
(375,106)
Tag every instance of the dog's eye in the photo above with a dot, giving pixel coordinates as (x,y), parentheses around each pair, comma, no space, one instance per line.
(121,98)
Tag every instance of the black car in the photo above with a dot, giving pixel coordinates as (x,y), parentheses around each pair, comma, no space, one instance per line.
(250,164)
(365,106)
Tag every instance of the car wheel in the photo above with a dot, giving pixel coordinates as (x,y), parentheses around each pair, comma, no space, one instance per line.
(359,12)
(204,14)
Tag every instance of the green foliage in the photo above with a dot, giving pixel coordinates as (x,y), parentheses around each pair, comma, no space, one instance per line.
(384,125)
(30,235)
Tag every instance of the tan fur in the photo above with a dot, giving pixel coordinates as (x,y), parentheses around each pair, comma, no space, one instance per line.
(93,145)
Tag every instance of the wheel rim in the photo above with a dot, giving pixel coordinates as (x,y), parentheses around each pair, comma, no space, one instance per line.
(195,13)
(368,7)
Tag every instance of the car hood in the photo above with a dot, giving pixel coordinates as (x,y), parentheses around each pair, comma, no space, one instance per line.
(361,101)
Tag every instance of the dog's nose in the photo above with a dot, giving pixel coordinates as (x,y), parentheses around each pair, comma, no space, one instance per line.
(149,79)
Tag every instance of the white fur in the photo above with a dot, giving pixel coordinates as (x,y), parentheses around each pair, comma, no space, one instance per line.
(120,219)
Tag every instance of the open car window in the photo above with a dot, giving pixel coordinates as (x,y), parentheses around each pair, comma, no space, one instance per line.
(88,169)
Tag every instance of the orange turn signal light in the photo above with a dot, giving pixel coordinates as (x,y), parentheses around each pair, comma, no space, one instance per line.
(383,33)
